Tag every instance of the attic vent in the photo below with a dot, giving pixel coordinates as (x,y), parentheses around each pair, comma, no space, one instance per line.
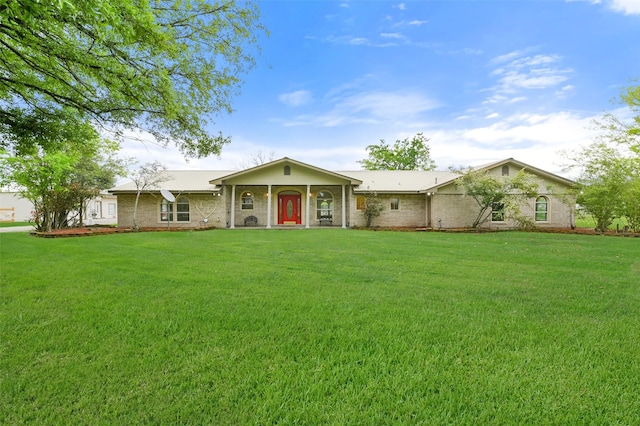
(287,170)
(505,170)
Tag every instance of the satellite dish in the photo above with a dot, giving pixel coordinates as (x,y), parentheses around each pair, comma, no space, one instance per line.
(167,195)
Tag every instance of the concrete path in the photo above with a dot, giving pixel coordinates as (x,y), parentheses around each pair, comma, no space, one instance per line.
(17,229)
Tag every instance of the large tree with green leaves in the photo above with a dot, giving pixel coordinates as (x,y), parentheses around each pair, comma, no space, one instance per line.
(631,97)
(407,154)
(488,191)
(61,176)
(164,66)
(609,174)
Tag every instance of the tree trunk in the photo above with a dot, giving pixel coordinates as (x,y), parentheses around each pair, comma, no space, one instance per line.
(135,212)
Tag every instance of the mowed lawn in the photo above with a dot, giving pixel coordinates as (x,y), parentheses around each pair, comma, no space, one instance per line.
(320,326)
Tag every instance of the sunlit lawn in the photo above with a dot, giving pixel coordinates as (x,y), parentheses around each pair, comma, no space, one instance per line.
(589,222)
(12,224)
(324,326)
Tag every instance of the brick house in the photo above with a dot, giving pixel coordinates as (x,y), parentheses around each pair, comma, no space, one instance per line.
(289,193)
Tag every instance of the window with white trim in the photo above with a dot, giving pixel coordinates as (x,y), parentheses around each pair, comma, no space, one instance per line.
(324,205)
(166,211)
(394,204)
(542,209)
(247,200)
(497,212)
(179,211)
(182,210)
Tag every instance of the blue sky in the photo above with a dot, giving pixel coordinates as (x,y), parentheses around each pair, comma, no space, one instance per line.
(484,80)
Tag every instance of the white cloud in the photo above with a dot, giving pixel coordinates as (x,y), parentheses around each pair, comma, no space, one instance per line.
(628,7)
(388,104)
(518,71)
(552,130)
(297,98)
(536,139)
(367,107)
(507,57)
(392,35)
(400,6)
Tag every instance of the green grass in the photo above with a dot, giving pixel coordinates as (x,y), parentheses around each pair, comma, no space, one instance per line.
(12,224)
(589,222)
(322,326)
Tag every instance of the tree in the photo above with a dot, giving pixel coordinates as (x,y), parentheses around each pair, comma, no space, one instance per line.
(258,159)
(406,154)
(489,191)
(609,174)
(631,96)
(60,178)
(631,204)
(372,208)
(148,176)
(94,172)
(164,66)
(39,178)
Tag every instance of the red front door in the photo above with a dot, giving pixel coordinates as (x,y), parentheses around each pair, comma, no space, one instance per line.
(289,209)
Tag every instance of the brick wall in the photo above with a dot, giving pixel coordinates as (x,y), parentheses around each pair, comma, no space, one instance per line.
(411,211)
(201,206)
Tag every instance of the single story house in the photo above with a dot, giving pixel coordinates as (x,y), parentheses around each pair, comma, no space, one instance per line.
(289,193)
(99,210)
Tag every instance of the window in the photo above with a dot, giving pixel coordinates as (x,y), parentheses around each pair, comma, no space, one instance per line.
(360,201)
(178,211)
(112,209)
(505,170)
(324,205)
(166,211)
(182,210)
(287,170)
(497,212)
(542,209)
(247,200)
(395,204)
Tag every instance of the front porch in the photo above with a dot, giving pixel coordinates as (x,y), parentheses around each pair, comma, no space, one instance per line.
(283,207)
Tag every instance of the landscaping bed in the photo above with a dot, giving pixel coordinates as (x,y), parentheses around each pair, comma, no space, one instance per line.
(102,230)
(84,231)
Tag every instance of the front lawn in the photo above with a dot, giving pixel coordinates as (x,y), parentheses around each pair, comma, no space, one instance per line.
(13,224)
(320,326)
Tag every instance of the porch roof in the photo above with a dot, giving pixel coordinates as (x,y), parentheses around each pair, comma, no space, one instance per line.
(257,170)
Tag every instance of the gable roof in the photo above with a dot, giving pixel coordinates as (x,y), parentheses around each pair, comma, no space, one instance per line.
(529,167)
(520,164)
(283,161)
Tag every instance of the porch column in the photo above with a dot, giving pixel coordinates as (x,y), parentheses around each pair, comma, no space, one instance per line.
(232,220)
(269,206)
(344,207)
(429,210)
(308,205)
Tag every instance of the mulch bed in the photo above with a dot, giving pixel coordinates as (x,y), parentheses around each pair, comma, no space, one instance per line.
(86,231)
(105,230)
